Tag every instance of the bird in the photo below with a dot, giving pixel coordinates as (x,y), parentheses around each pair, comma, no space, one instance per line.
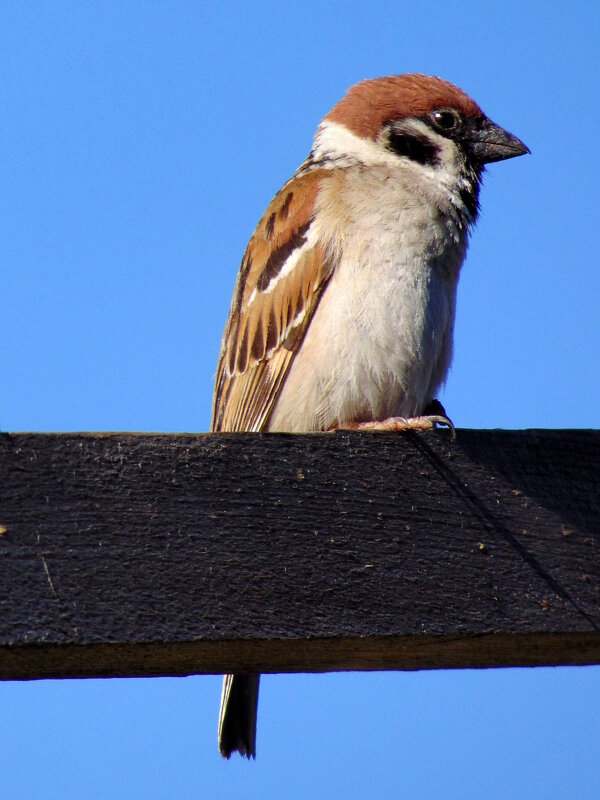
(343,311)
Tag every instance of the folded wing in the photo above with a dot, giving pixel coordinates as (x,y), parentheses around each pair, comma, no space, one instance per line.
(283,273)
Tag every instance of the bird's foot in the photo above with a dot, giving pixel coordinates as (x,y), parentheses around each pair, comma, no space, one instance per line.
(424,423)
(435,414)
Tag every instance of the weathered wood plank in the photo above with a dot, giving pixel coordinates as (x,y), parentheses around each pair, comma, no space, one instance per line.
(139,554)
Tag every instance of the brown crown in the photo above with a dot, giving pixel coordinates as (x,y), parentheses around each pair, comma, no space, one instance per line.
(369,104)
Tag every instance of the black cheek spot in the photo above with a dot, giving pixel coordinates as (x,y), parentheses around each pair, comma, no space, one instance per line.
(417,148)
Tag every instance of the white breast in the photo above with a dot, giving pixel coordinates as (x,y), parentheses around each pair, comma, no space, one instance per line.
(380,341)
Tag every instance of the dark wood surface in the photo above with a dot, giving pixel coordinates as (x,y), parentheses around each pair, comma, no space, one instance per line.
(140,554)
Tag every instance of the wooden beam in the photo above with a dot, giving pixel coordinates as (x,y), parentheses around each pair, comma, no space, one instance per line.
(139,554)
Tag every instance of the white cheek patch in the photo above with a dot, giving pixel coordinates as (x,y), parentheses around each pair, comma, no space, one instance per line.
(336,143)
(336,146)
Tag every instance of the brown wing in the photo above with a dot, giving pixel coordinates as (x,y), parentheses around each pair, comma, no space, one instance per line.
(283,272)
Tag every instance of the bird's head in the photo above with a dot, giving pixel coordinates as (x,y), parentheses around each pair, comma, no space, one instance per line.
(421,118)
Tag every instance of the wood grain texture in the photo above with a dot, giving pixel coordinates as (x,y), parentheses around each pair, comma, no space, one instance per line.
(140,554)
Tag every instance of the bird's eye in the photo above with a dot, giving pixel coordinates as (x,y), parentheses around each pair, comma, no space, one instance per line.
(446,120)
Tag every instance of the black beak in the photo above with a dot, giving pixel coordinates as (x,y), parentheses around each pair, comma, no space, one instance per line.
(489,142)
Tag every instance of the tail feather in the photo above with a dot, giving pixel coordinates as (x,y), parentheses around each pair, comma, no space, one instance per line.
(237,716)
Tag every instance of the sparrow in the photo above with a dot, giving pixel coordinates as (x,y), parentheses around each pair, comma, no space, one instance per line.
(343,311)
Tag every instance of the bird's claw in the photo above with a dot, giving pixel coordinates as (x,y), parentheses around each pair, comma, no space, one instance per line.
(422,423)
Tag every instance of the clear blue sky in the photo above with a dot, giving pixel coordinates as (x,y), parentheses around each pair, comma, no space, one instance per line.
(140,143)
